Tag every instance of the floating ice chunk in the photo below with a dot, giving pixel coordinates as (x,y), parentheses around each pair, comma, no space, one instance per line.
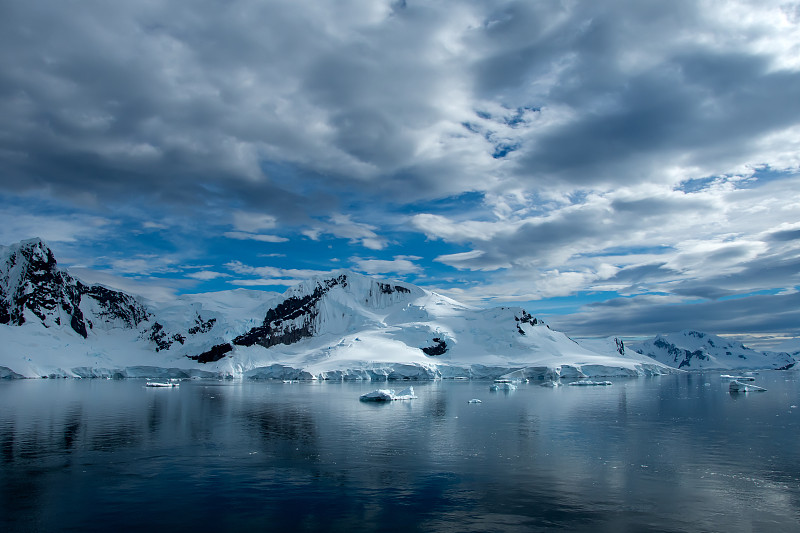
(388,395)
(551,383)
(161,384)
(380,395)
(589,383)
(502,386)
(738,386)
(406,394)
(737,378)
(474,400)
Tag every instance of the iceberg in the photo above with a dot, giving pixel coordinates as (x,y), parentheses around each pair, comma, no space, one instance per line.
(504,386)
(388,395)
(589,383)
(474,400)
(738,386)
(161,384)
(737,378)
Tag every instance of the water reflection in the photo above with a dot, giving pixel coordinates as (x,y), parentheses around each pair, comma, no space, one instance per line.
(312,457)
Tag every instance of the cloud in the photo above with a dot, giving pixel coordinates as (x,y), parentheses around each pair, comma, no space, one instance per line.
(207,275)
(400,264)
(270,275)
(244,236)
(17,225)
(544,149)
(253,222)
(156,289)
(644,316)
(344,227)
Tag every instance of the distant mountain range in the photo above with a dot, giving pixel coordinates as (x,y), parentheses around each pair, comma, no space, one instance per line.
(343,326)
(694,350)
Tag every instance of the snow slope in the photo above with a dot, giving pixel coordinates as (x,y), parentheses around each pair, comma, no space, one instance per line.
(693,350)
(342,326)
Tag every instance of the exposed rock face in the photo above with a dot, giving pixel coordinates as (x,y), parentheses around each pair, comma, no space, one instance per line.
(298,316)
(680,355)
(162,339)
(32,285)
(620,346)
(526,318)
(202,326)
(439,347)
(292,319)
(214,354)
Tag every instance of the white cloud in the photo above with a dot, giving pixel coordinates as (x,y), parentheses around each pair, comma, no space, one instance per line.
(400,264)
(272,273)
(342,226)
(207,275)
(16,224)
(242,236)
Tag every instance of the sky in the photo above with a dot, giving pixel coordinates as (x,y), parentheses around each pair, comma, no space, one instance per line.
(618,168)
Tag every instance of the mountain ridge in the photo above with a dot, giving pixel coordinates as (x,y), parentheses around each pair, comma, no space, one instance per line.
(694,350)
(340,326)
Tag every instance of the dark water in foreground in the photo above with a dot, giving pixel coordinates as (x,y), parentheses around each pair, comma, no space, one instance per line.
(659,454)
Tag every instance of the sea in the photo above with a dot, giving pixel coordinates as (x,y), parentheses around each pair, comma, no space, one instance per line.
(668,453)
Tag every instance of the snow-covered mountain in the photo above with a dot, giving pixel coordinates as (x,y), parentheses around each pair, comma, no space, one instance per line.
(33,288)
(693,350)
(343,326)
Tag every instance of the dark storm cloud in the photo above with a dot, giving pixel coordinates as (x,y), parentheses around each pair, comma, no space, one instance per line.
(180,100)
(644,316)
(785,235)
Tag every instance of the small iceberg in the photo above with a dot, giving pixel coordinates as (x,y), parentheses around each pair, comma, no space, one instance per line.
(474,400)
(504,386)
(550,383)
(738,386)
(388,395)
(737,378)
(161,384)
(589,383)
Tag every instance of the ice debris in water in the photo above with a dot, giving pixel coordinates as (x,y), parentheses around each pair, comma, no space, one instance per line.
(738,386)
(474,400)
(551,383)
(589,383)
(502,386)
(387,395)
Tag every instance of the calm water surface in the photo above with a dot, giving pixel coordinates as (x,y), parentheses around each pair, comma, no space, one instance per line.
(675,453)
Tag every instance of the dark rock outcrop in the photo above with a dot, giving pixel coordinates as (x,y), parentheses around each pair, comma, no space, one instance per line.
(439,347)
(214,354)
(292,319)
(526,318)
(30,280)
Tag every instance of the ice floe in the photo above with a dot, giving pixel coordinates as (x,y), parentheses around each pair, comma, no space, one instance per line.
(388,395)
(590,383)
(738,386)
(737,378)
